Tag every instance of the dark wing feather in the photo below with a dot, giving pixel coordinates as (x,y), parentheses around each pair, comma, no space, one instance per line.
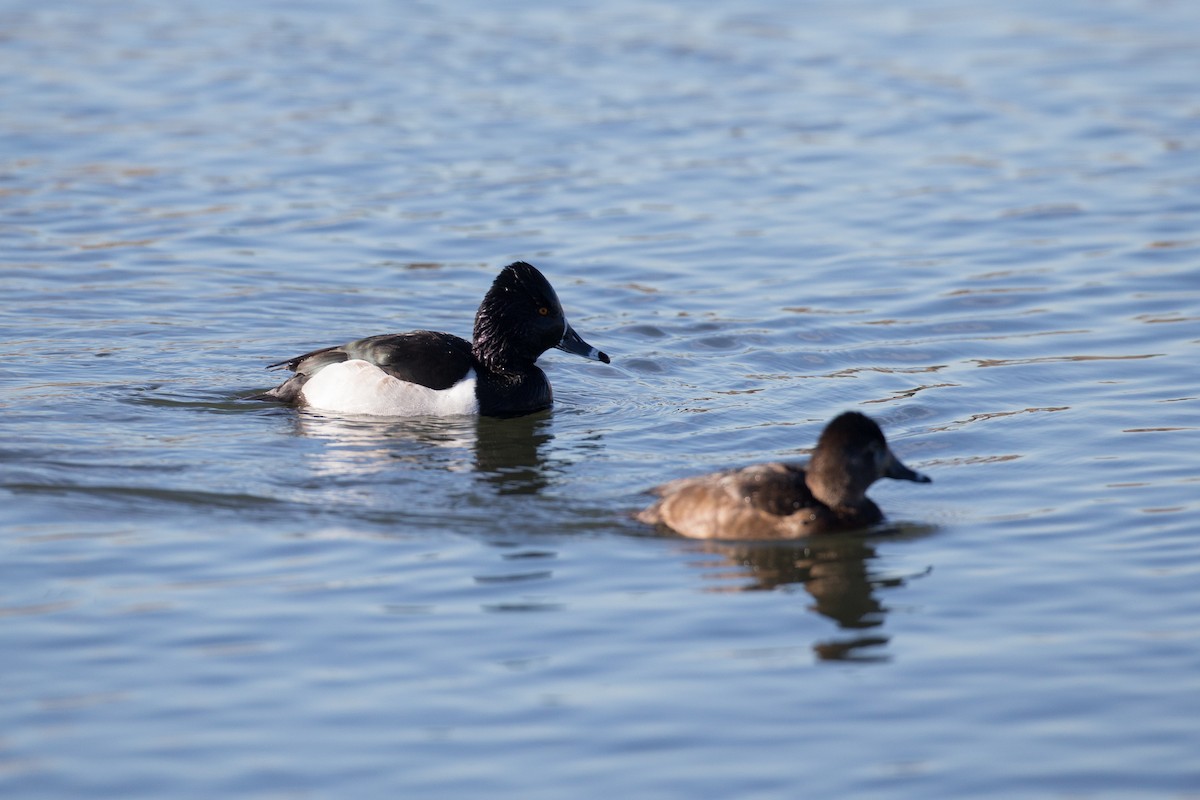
(309,363)
(775,488)
(429,358)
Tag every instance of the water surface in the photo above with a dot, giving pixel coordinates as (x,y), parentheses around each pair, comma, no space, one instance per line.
(977,225)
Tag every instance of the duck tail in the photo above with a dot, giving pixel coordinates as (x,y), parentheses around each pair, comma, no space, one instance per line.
(287,392)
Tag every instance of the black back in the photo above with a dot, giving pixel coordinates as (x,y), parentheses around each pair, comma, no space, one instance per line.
(427,358)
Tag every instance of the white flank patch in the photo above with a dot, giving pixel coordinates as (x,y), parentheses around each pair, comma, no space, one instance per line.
(358,387)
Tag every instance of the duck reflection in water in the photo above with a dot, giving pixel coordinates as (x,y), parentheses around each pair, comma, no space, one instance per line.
(836,573)
(510,454)
(507,455)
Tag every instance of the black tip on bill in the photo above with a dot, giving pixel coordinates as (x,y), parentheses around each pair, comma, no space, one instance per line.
(572,343)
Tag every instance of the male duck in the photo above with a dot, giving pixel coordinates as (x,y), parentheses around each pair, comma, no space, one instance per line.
(786,501)
(426,372)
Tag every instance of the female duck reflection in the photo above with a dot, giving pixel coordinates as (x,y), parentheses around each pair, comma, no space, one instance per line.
(835,571)
(507,454)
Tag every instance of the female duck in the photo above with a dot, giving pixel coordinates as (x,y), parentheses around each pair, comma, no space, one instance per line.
(426,372)
(787,501)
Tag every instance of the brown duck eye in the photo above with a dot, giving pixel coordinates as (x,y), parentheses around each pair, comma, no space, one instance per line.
(543,311)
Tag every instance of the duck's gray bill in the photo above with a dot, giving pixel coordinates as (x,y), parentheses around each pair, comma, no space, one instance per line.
(571,343)
(897,470)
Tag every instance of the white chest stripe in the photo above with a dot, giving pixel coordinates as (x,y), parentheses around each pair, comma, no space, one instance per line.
(357,387)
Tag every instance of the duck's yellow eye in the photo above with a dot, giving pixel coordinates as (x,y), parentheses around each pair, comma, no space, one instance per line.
(543,311)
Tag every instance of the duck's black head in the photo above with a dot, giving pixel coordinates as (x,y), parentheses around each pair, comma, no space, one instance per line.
(851,455)
(520,318)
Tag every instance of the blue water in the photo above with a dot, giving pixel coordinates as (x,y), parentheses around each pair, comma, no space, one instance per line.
(978,225)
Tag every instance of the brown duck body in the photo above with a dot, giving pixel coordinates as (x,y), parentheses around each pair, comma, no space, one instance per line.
(786,501)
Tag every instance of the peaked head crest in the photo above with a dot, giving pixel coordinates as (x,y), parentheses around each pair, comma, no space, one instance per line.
(520,317)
